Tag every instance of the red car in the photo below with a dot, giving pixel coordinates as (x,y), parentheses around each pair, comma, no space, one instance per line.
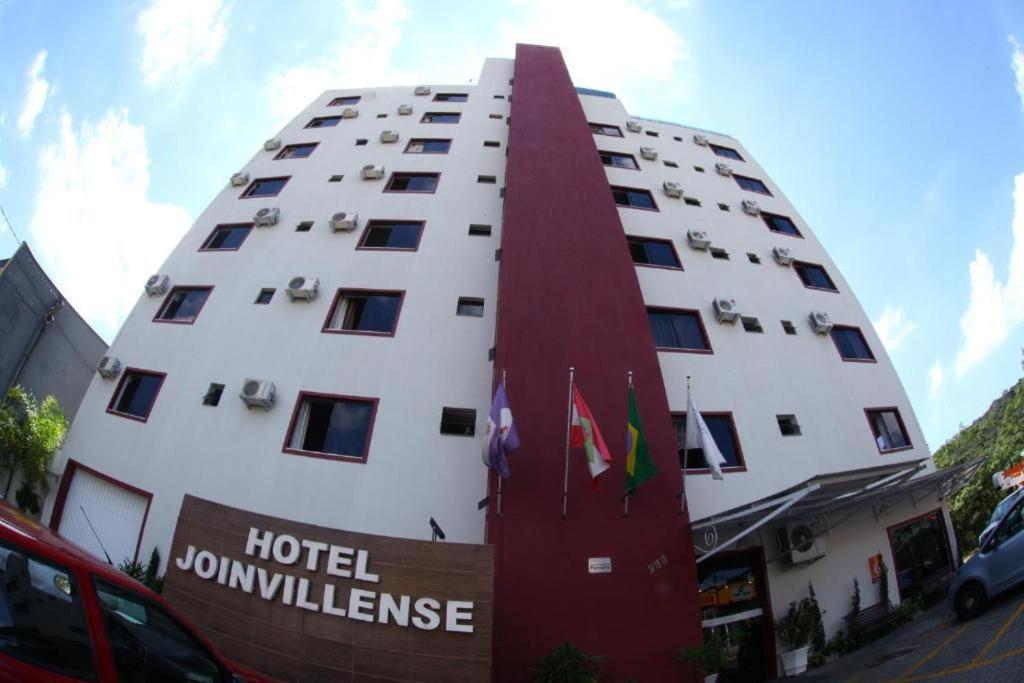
(65,616)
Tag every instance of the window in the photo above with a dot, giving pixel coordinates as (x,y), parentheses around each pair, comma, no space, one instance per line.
(441,117)
(428,146)
(494,116)
(752,325)
(653,252)
(226,237)
(297,151)
(451,97)
(304,226)
(603,129)
(264,296)
(488,179)
(346,101)
(677,138)
(144,639)
(788,327)
(671,164)
(338,426)
(458,421)
(723,207)
(788,425)
(412,182)
(753,258)
(651,133)
(382,116)
(136,394)
(213,394)
(324,122)
(396,235)
(470,306)
(723,431)
(265,187)
(718,253)
(182,305)
(814,276)
(851,344)
(782,224)
(499,97)
(335,178)
(637,199)
(480,230)
(887,427)
(618,160)
(41,617)
(727,152)
(698,169)
(360,142)
(492,143)
(364,311)
(691,201)
(681,330)
(751,184)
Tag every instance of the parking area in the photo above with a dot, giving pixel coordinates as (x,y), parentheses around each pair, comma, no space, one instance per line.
(937,647)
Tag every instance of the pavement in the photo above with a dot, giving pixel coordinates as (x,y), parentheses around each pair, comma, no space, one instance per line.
(935,646)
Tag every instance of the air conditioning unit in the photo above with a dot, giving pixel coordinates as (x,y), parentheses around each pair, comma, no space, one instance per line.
(649,153)
(672,189)
(698,239)
(725,310)
(239,179)
(799,545)
(389,136)
(700,140)
(157,285)
(723,169)
(349,113)
(109,367)
(750,207)
(258,392)
(344,221)
(371,172)
(820,322)
(782,256)
(422,90)
(633,127)
(268,215)
(302,287)
(272,144)
(404,109)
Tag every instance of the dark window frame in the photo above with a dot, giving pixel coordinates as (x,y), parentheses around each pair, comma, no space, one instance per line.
(446,97)
(869,413)
(470,301)
(765,215)
(659,240)
(428,117)
(605,126)
(409,174)
(343,291)
(180,288)
(120,387)
(337,118)
(280,156)
(472,432)
(726,469)
(852,328)
(345,101)
(303,395)
(412,141)
(715,149)
(650,194)
(381,222)
(700,323)
(252,186)
(265,290)
(737,177)
(635,167)
(797,265)
(226,226)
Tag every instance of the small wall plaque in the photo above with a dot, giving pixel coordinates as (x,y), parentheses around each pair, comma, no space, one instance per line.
(599,565)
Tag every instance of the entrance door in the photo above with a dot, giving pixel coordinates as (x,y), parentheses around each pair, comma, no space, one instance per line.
(920,551)
(117,514)
(734,603)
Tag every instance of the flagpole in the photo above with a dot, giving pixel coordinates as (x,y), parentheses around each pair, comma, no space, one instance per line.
(499,473)
(686,458)
(568,427)
(625,504)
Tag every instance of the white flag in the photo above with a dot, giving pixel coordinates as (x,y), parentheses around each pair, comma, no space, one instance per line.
(698,436)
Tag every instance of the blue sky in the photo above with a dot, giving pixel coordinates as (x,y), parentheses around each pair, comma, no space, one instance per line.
(897,130)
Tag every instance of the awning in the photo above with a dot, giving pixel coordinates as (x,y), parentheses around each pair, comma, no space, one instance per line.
(832,499)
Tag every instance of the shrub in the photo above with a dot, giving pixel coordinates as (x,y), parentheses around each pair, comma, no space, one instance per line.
(566,663)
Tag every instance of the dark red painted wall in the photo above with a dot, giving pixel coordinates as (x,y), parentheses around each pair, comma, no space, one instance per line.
(569,296)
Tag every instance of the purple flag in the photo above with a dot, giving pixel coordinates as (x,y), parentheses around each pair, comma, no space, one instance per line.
(501,433)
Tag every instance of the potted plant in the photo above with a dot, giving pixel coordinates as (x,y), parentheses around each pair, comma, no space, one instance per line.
(708,658)
(795,630)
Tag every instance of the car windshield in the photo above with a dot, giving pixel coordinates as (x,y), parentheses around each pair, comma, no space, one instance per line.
(1001,509)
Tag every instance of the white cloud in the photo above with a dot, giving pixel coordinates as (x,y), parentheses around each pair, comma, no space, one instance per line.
(893,328)
(36,92)
(1018,68)
(3,177)
(179,36)
(995,307)
(936,378)
(96,231)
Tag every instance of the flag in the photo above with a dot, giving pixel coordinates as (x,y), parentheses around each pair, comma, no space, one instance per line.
(502,437)
(585,434)
(639,466)
(698,438)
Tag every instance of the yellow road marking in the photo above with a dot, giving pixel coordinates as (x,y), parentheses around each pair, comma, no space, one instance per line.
(967,667)
(999,634)
(931,654)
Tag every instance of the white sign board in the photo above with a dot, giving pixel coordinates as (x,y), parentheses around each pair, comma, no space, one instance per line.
(599,565)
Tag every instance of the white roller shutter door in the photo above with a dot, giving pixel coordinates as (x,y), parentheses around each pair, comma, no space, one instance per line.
(116,513)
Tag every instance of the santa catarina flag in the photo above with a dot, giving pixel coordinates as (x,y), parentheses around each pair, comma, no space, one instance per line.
(639,466)
(586,435)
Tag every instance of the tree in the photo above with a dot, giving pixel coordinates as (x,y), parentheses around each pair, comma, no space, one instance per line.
(30,434)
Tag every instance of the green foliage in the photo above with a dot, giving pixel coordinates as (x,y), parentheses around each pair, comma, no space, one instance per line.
(707,658)
(566,664)
(818,627)
(30,434)
(27,499)
(998,435)
(146,574)
(855,602)
(795,629)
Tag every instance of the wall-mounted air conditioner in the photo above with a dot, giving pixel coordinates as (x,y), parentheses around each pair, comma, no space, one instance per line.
(258,393)
(109,367)
(239,179)
(372,172)
(725,310)
(157,285)
(782,256)
(820,322)
(389,136)
(633,127)
(422,90)
(272,144)
(404,109)
(349,113)
(303,287)
(798,544)
(698,239)
(750,207)
(648,153)
(672,189)
(723,169)
(700,140)
(268,215)
(344,221)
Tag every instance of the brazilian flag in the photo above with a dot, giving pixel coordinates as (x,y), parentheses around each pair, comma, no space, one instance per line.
(639,466)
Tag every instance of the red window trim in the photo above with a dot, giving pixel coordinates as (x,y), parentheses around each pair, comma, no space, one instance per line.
(120,385)
(279,157)
(780,232)
(330,456)
(767,192)
(424,118)
(796,264)
(873,359)
(64,488)
(378,221)
(246,195)
(670,243)
(412,140)
(391,178)
(634,189)
(703,330)
(742,467)
(903,427)
(355,290)
(193,288)
(227,225)
(605,125)
(335,102)
(636,163)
